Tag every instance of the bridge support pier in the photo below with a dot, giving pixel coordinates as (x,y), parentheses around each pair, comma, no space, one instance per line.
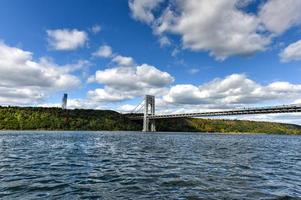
(149,110)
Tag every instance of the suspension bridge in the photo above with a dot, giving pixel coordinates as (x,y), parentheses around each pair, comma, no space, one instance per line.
(146,111)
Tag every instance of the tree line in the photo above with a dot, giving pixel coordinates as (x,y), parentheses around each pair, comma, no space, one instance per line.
(40,118)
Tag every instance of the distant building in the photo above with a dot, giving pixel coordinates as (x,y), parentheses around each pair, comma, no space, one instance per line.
(64,101)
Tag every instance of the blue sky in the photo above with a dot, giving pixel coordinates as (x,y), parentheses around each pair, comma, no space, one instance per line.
(193,55)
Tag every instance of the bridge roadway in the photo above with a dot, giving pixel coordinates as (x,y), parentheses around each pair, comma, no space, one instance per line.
(245,111)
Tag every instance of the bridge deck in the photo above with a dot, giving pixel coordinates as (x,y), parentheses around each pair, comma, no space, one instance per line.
(248,111)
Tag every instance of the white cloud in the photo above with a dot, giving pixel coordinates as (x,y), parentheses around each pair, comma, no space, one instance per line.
(107,95)
(214,26)
(164,41)
(126,108)
(84,103)
(206,25)
(96,28)
(142,9)
(233,90)
(123,60)
(65,39)
(122,82)
(291,52)
(298,101)
(278,15)
(20,96)
(77,104)
(103,51)
(127,78)
(106,52)
(23,80)
(223,28)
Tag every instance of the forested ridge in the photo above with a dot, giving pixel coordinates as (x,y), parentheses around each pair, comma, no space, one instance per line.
(226,126)
(39,118)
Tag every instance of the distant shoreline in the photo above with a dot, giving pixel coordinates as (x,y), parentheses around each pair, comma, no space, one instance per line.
(56,119)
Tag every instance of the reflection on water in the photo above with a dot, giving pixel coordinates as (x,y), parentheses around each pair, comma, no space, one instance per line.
(122,165)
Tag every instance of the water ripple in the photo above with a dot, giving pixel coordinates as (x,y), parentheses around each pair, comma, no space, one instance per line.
(123,165)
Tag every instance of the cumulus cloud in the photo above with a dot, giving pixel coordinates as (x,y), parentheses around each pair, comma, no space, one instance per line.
(223,28)
(291,52)
(126,108)
(24,80)
(235,89)
(142,9)
(123,60)
(19,96)
(126,80)
(279,15)
(65,39)
(122,82)
(214,26)
(103,51)
(85,103)
(108,95)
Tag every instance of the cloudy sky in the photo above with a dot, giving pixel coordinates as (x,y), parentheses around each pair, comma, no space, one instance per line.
(193,55)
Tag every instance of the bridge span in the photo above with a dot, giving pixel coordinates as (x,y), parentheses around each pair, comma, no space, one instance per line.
(149,116)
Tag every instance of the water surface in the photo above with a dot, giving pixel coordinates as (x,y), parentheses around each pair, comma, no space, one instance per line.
(129,165)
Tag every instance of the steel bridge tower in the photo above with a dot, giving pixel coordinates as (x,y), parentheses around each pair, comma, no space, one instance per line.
(149,110)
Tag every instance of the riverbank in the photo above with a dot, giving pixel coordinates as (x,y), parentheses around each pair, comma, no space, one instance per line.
(38,118)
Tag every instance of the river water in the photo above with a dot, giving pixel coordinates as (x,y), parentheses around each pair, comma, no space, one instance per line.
(134,165)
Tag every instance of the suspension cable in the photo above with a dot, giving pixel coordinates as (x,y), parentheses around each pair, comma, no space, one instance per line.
(140,104)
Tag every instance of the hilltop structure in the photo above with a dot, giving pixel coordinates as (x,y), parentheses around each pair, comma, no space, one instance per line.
(64,101)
